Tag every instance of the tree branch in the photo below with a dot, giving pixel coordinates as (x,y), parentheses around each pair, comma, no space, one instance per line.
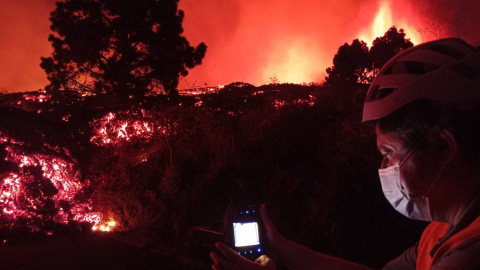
(86,88)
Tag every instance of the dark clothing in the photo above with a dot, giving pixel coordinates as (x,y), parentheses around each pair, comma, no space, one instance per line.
(406,261)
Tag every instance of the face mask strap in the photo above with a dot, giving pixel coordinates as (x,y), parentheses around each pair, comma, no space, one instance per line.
(436,177)
(414,148)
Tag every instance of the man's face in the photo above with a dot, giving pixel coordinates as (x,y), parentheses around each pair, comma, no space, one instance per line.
(417,170)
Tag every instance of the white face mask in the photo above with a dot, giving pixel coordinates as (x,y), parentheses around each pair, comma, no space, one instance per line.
(414,207)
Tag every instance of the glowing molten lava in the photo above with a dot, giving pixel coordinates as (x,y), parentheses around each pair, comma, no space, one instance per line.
(39,96)
(278,104)
(42,187)
(113,129)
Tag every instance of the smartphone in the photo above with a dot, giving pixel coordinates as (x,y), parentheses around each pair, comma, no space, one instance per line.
(245,232)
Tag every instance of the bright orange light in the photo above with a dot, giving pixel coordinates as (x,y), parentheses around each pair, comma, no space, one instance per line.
(384,19)
(111,223)
(293,62)
(106,227)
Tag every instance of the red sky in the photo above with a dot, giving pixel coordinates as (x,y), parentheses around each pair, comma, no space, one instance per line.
(250,40)
(24,29)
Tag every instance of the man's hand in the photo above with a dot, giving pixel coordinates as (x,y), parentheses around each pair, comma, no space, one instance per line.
(230,260)
(274,237)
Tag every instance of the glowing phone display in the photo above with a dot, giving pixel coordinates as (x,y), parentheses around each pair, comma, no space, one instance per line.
(246,234)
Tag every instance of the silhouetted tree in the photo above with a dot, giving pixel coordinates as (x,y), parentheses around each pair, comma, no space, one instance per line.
(119,46)
(355,63)
(350,64)
(384,48)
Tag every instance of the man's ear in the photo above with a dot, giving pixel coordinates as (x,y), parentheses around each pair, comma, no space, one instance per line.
(449,142)
(443,141)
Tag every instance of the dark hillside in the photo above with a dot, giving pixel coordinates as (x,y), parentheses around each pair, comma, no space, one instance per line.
(158,166)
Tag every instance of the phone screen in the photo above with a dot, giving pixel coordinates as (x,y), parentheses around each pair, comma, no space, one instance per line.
(246,234)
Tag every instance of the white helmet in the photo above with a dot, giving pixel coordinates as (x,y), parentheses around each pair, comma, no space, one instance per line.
(446,71)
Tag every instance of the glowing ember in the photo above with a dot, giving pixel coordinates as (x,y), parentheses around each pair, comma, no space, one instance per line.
(258,93)
(87,93)
(310,101)
(199,103)
(66,118)
(39,96)
(279,103)
(93,218)
(111,223)
(201,90)
(106,227)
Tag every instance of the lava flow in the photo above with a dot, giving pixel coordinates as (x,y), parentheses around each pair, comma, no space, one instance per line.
(113,129)
(41,188)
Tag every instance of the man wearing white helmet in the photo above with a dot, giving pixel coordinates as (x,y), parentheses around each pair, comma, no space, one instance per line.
(425,104)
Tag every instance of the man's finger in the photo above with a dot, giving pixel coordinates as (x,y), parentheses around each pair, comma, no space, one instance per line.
(219,263)
(231,255)
(261,259)
(266,220)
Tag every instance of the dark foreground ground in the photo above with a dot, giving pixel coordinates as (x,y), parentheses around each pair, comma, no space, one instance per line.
(90,252)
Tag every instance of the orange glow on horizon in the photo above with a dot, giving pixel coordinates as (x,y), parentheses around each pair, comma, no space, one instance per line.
(250,41)
(296,62)
(296,42)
